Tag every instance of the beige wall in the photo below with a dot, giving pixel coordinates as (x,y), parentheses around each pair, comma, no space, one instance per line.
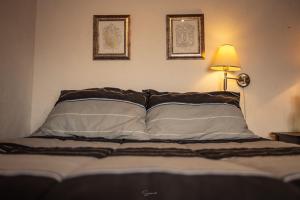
(266,34)
(17,20)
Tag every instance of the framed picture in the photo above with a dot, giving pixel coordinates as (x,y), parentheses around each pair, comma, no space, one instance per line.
(111,37)
(185,36)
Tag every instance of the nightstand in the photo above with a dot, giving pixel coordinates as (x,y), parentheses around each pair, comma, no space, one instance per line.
(291,137)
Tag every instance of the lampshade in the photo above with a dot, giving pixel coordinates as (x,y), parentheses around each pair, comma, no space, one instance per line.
(226,59)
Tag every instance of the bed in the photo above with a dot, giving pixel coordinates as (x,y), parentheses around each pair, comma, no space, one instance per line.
(120,144)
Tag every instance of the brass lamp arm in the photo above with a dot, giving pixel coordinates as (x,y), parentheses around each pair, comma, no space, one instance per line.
(243,80)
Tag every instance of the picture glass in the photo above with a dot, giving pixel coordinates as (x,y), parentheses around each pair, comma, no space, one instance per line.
(111,37)
(185,36)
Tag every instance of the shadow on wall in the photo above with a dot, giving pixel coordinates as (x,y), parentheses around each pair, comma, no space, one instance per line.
(295,115)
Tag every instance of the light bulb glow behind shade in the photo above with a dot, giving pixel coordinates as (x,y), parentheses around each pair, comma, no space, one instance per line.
(226,59)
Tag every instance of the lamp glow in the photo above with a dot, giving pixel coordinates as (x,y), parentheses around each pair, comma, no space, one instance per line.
(226,59)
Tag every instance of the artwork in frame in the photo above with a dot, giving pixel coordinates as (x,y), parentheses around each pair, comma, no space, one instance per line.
(185,36)
(111,37)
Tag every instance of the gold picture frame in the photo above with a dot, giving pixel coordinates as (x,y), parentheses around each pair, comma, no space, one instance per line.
(185,36)
(111,37)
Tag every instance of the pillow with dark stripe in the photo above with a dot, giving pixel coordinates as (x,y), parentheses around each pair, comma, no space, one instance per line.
(103,93)
(197,116)
(218,97)
(98,112)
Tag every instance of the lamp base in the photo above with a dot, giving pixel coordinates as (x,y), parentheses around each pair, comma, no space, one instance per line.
(243,80)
